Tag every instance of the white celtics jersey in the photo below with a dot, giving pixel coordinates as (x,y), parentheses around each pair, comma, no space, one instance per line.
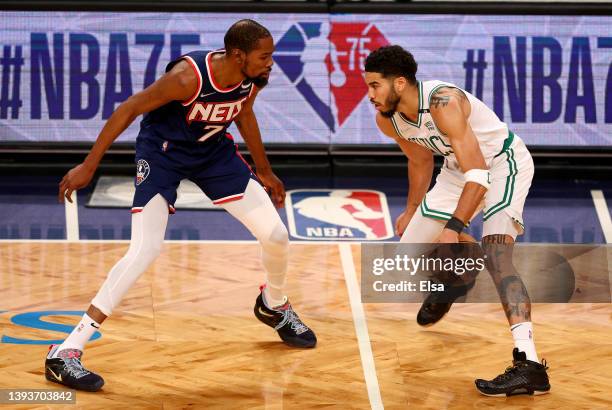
(490,131)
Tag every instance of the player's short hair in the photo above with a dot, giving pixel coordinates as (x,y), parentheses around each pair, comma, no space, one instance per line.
(392,61)
(244,35)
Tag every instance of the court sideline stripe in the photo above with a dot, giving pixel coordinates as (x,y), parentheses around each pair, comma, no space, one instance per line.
(361,327)
(602,213)
(72,219)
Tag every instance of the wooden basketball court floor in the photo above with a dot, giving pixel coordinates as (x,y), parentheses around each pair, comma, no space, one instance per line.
(185,335)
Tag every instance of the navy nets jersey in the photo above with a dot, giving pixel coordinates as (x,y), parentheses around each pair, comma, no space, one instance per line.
(208,113)
(189,140)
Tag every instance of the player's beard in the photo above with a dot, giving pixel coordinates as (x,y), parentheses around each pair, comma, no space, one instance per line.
(392,102)
(260,81)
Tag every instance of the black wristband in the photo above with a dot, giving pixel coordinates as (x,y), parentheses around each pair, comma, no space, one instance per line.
(455,224)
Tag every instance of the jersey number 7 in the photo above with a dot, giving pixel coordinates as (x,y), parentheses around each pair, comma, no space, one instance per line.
(213,130)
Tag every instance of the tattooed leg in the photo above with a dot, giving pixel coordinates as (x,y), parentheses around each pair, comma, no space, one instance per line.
(512,292)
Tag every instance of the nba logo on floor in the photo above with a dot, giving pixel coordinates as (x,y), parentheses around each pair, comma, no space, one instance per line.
(338,214)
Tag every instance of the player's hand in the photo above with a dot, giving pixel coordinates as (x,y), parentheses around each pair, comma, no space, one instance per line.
(403,220)
(77,178)
(448,236)
(273,185)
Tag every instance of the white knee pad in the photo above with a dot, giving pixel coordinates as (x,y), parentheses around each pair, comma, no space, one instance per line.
(148,230)
(256,211)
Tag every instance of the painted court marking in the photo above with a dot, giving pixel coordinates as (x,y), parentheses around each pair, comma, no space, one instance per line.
(361,327)
(72,219)
(603,213)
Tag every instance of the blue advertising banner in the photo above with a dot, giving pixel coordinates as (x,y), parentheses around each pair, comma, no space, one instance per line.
(549,77)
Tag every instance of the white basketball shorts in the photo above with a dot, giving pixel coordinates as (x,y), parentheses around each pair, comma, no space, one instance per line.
(511,175)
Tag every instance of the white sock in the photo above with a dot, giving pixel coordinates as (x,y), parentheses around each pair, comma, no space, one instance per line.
(80,334)
(522,333)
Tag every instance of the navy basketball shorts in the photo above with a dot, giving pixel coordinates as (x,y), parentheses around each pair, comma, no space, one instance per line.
(215,166)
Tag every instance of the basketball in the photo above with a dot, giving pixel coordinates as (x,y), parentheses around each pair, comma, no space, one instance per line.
(466,259)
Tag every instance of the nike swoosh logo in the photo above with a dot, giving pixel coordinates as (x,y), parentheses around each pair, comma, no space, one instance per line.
(206,95)
(264,313)
(245,85)
(58,378)
(94,325)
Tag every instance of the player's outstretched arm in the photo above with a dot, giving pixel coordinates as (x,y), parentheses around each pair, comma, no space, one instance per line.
(179,83)
(450,110)
(249,129)
(420,171)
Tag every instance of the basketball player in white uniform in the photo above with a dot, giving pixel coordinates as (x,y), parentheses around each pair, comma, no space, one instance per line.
(486,168)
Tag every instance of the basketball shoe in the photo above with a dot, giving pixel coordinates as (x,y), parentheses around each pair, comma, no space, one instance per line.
(523,377)
(286,322)
(438,303)
(67,369)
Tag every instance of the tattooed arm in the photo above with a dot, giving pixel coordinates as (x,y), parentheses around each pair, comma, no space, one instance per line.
(512,292)
(450,110)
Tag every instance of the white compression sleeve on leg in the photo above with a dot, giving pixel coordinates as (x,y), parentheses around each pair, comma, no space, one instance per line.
(148,230)
(421,229)
(421,233)
(256,211)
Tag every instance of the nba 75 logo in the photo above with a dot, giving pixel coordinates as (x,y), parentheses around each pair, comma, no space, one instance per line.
(344,47)
(340,214)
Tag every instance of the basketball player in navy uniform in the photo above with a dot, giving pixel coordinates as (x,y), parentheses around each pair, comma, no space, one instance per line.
(184,135)
(486,168)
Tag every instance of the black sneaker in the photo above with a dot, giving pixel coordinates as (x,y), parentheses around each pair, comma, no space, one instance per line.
(437,304)
(286,322)
(67,369)
(523,377)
